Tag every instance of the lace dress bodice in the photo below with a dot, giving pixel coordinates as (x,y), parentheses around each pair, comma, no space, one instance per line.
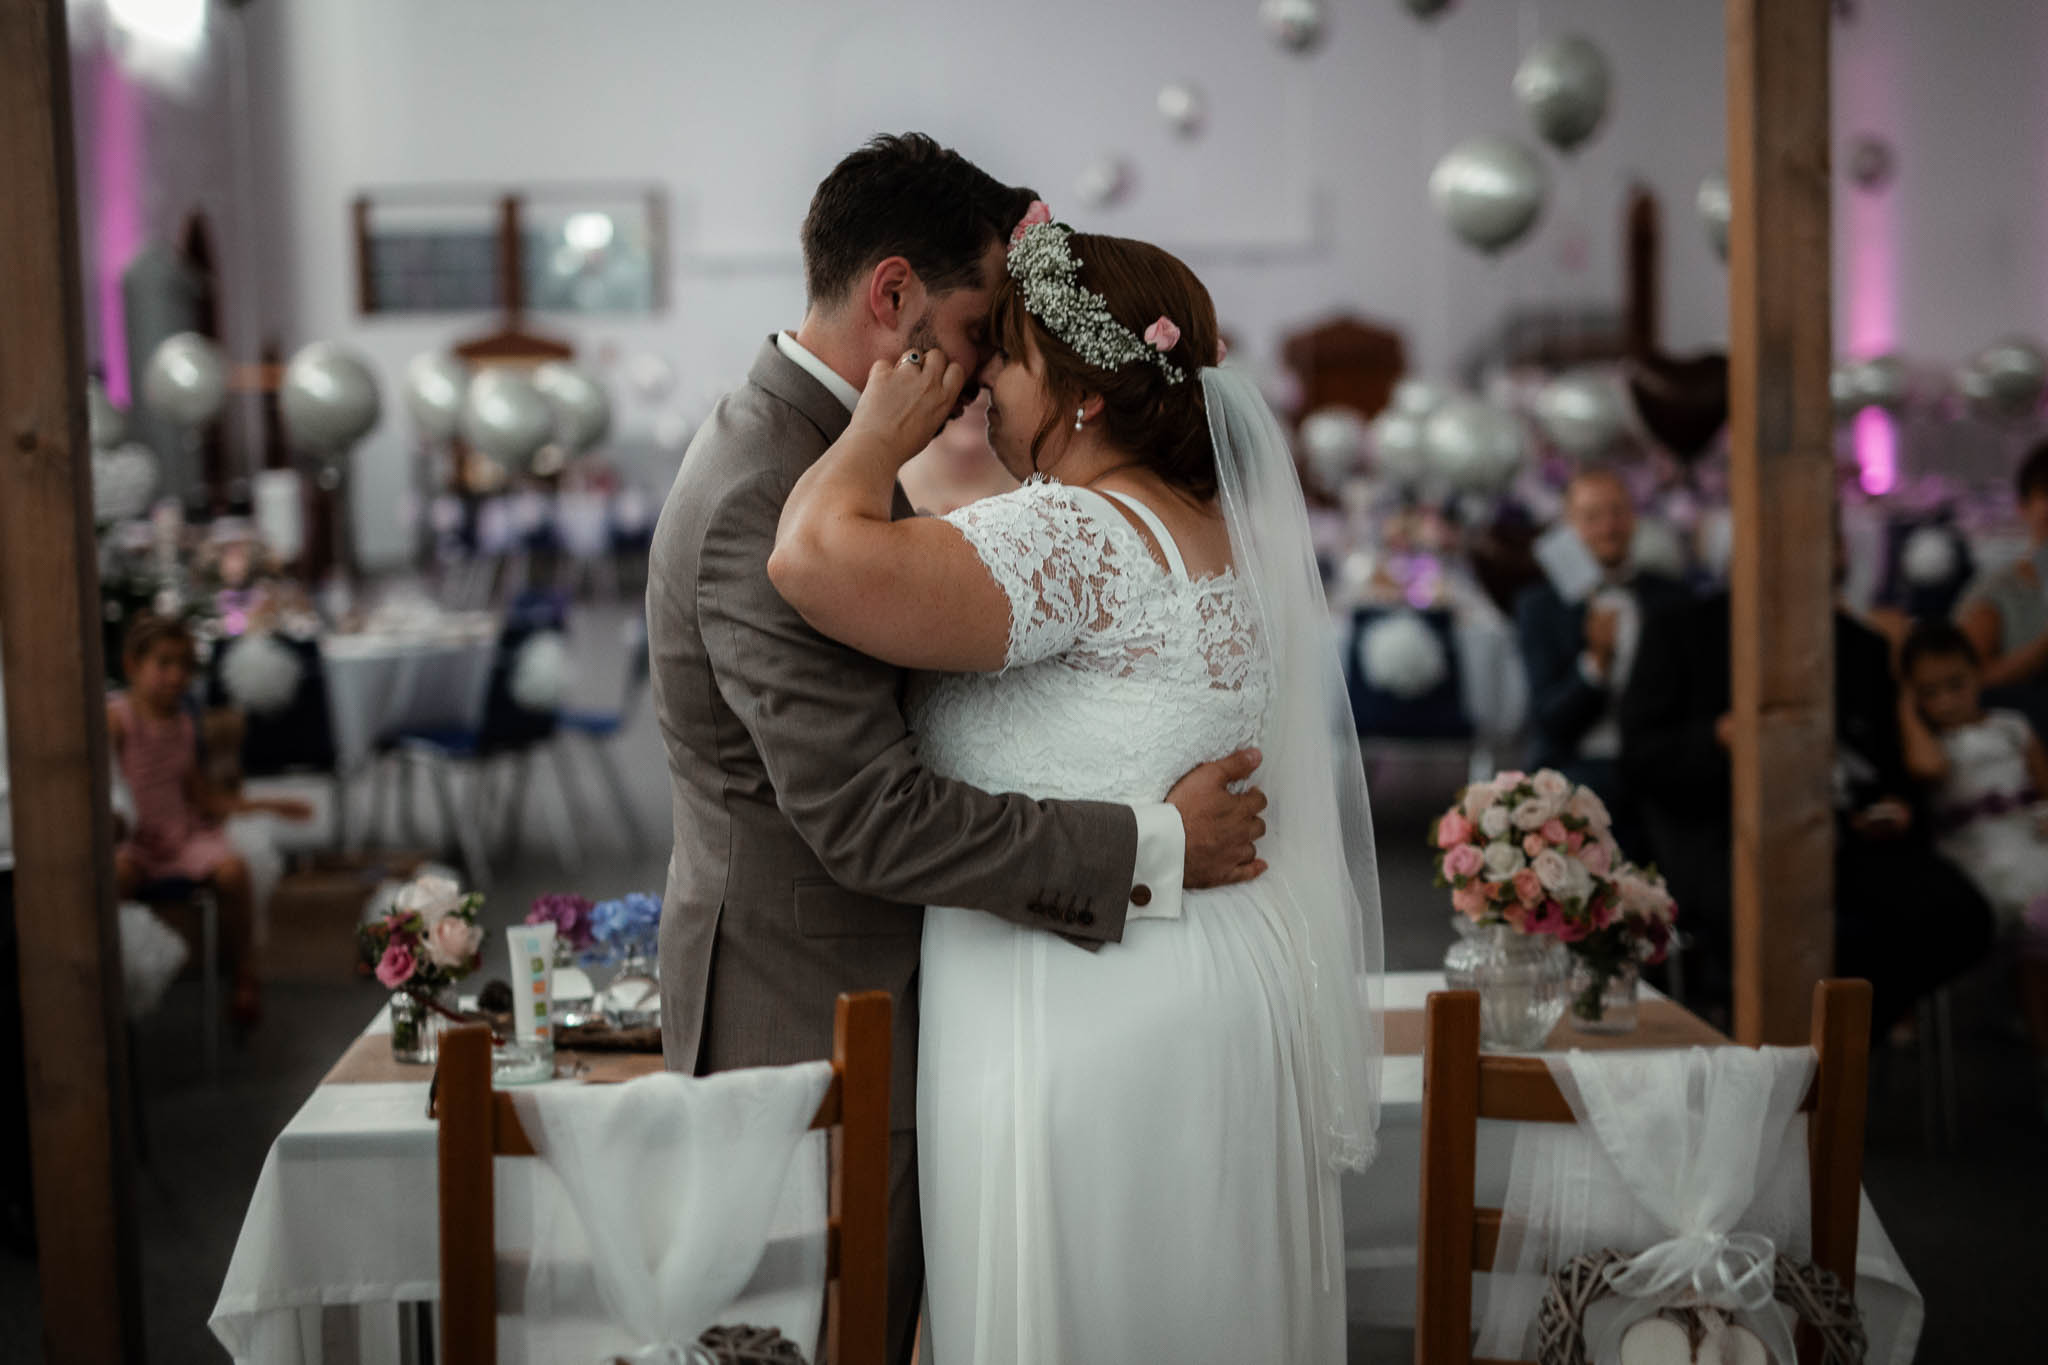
(1120,676)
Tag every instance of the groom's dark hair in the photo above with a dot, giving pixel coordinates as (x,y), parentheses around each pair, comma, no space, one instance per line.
(905,195)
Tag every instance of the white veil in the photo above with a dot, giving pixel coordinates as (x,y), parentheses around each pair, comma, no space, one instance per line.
(1320,844)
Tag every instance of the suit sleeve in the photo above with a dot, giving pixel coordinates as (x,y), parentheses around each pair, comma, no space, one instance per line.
(829,726)
(1668,749)
(1562,703)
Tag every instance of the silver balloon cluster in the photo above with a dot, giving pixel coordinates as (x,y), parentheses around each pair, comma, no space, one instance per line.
(106,425)
(435,384)
(1883,381)
(1296,25)
(1474,446)
(1490,189)
(1399,455)
(1333,442)
(506,417)
(2005,380)
(185,380)
(582,408)
(1183,107)
(1562,85)
(1584,413)
(329,400)
(1715,209)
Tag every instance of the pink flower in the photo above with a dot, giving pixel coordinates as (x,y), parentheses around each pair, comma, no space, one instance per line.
(1532,844)
(1604,913)
(1571,930)
(1547,918)
(1505,783)
(1452,830)
(1553,831)
(1575,841)
(395,968)
(1478,798)
(1596,858)
(1463,861)
(1469,901)
(1162,335)
(1222,350)
(453,942)
(1039,212)
(1528,887)
(1517,917)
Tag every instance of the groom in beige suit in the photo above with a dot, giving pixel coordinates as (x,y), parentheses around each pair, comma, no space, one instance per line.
(807,833)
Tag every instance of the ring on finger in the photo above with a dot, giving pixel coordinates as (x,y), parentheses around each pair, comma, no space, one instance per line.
(912,358)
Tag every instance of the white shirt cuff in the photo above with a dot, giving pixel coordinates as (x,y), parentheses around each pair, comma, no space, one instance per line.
(1162,861)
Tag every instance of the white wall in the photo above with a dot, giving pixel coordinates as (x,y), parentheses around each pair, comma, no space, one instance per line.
(1305,196)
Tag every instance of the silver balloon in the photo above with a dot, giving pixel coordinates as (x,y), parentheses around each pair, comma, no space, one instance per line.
(1881,381)
(1417,397)
(1562,85)
(2006,380)
(1582,414)
(1398,453)
(583,410)
(505,417)
(106,425)
(1715,208)
(1297,25)
(328,399)
(1333,439)
(1490,190)
(1842,391)
(1475,446)
(1183,107)
(434,384)
(1106,181)
(186,380)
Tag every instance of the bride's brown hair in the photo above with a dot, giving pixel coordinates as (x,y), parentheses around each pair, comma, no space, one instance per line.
(1165,425)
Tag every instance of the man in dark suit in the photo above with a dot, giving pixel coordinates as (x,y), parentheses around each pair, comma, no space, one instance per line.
(1905,919)
(1579,651)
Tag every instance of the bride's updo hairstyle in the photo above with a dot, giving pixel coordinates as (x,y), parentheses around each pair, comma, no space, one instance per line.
(1165,425)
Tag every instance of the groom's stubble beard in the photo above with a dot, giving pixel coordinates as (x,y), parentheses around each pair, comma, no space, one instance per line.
(924,336)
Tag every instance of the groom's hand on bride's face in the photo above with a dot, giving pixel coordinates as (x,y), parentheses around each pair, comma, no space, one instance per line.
(906,404)
(1223,827)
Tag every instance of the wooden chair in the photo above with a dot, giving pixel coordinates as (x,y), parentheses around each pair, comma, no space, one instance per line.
(478,1123)
(1460,1087)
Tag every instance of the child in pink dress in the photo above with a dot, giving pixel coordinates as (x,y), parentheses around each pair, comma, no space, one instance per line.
(1990,779)
(178,833)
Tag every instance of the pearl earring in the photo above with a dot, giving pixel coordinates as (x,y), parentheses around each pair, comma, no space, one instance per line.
(1079,414)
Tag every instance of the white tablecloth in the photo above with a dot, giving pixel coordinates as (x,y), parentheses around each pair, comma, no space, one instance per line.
(343,1216)
(379,684)
(341,1231)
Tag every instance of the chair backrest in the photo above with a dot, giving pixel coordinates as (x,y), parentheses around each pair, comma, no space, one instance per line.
(1460,1087)
(477,1123)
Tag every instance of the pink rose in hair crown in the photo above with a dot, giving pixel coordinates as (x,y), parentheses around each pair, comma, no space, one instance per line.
(1162,336)
(1039,212)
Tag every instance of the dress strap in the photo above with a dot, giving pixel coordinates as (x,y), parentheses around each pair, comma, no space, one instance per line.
(1167,546)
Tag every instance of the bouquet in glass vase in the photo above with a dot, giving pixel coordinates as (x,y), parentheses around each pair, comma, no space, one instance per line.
(426,942)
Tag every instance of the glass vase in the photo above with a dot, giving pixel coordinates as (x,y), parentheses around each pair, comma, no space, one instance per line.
(1603,995)
(1520,979)
(415,1030)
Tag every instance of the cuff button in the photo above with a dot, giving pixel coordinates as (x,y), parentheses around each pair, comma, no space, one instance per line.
(1141,895)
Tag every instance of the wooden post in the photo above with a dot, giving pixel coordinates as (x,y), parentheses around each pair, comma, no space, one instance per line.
(1780,430)
(80,1131)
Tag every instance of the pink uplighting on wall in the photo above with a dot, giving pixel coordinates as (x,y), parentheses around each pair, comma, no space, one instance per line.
(116,209)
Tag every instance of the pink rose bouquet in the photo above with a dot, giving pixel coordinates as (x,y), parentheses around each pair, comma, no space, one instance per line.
(1536,852)
(427,940)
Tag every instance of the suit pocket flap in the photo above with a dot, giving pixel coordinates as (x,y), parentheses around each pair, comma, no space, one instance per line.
(826,909)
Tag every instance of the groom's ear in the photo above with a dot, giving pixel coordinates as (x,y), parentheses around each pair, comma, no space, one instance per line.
(891,285)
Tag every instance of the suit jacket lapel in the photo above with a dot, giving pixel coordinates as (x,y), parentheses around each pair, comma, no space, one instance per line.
(783,378)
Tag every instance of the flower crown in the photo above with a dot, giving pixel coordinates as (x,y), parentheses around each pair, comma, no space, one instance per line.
(1043,264)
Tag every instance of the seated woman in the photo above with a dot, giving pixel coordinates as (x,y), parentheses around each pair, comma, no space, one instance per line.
(2005,611)
(178,834)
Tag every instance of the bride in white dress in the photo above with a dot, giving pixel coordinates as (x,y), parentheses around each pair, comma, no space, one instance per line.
(1130,1154)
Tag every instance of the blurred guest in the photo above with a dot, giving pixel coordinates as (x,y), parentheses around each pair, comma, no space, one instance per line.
(1989,773)
(1905,918)
(178,834)
(957,467)
(2005,612)
(1579,652)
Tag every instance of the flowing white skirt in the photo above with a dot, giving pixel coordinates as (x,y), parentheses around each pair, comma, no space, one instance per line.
(1114,1158)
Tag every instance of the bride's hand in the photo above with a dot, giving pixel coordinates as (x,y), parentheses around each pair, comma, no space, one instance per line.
(907,403)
